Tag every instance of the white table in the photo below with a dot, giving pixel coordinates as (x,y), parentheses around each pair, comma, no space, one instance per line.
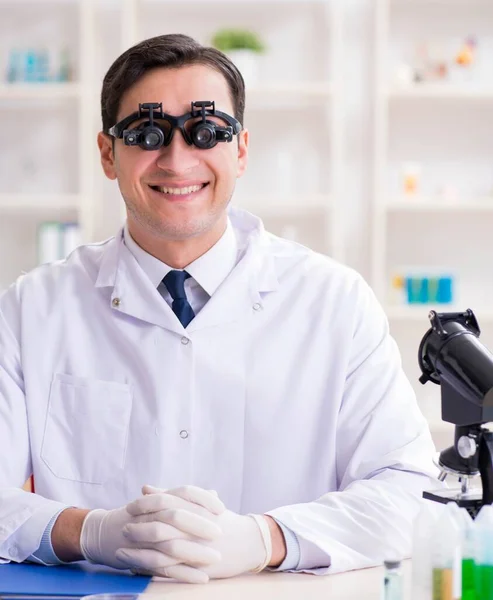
(365,584)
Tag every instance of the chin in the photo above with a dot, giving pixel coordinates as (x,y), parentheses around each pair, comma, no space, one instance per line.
(183,228)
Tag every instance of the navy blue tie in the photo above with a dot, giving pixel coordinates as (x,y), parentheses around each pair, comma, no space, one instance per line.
(175,283)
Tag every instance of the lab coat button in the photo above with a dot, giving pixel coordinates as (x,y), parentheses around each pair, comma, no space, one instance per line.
(183,434)
(184,340)
(116,302)
(257,306)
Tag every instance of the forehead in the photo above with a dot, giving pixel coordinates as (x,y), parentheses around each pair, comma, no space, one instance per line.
(176,89)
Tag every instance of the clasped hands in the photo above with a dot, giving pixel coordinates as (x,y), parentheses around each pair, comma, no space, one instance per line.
(185,534)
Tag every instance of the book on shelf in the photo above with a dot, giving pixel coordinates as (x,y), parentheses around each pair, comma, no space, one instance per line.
(56,240)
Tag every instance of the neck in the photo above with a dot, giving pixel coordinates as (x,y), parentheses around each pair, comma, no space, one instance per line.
(177,254)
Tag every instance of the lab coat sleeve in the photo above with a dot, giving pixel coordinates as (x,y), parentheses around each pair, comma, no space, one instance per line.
(23,516)
(384,458)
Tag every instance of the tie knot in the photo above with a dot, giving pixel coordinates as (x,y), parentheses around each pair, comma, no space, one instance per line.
(175,283)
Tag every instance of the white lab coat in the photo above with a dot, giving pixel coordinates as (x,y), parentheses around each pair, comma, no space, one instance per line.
(285,394)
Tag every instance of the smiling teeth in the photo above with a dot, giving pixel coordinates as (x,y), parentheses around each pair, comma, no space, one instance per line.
(180,191)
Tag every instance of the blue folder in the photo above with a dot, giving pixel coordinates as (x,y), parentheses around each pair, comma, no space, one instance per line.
(74,580)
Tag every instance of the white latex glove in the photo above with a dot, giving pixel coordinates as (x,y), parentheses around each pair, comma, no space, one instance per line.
(244,546)
(170,533)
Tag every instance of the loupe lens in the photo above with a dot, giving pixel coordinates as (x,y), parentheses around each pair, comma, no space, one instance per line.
(152,139)
(204,136)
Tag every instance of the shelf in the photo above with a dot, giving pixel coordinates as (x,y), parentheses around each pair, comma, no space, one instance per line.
(208,3)
(423,204)
(419,313)
(465,4)
(440,92)
(37,2)
(36,91)
(14,203)
(288,95)
(276,206)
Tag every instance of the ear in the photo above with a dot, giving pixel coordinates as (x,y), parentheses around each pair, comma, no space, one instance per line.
(242,152)
(105,145)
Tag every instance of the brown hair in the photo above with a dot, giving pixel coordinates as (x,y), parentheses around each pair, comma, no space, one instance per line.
(168,51)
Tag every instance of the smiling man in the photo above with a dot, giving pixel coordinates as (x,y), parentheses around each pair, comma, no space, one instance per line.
(196,397)
(176,199)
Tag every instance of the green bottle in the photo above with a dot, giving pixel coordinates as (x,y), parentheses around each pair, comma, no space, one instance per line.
(468,579)
(468,556)
(483,553)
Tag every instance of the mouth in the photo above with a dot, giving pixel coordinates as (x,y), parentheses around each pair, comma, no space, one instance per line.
(179,193)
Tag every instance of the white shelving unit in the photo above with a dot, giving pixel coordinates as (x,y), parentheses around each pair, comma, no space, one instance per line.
(294,110)
(446,127)
(442,91)
(430,204)
(46,175)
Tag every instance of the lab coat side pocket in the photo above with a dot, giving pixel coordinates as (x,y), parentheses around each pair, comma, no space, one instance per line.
(86,430)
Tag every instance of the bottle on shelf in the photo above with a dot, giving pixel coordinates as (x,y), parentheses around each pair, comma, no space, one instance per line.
(49,242)
(30,66)
(57,240)
(14,68)
(43,66)
(39,65)
(65,69)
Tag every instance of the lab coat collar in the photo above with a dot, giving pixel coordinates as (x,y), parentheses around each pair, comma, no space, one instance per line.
(254,275)
(132,291)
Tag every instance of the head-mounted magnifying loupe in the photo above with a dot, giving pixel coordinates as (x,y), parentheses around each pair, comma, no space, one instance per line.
(158,128)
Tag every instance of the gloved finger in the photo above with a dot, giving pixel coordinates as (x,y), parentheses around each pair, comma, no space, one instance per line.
(150,489)
(152,503)
(171,524)
(156,502)
(194,494)
(186,574)
(179,550)
(190,552)
(144,558)
(179,572)
(151,532)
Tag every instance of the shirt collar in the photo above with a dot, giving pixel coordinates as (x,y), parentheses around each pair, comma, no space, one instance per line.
(209,270)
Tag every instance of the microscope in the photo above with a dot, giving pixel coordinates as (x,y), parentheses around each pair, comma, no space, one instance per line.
(451,356)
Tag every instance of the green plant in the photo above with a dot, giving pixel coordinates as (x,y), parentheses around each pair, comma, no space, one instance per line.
(237,39)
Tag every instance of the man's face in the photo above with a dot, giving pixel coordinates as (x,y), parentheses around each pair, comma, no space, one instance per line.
(152,182)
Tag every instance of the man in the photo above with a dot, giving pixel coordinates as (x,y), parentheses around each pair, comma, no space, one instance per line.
(251,381)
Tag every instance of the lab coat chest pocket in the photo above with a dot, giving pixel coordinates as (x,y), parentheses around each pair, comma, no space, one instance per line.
(86,429)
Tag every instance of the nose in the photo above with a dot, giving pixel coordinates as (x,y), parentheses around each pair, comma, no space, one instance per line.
(178,157)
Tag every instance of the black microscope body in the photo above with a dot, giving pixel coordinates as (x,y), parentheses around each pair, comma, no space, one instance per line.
(452,356)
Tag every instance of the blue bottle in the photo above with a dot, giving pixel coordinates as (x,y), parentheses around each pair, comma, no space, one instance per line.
(42,66)
(445,292)
(14,67)
(30,66)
